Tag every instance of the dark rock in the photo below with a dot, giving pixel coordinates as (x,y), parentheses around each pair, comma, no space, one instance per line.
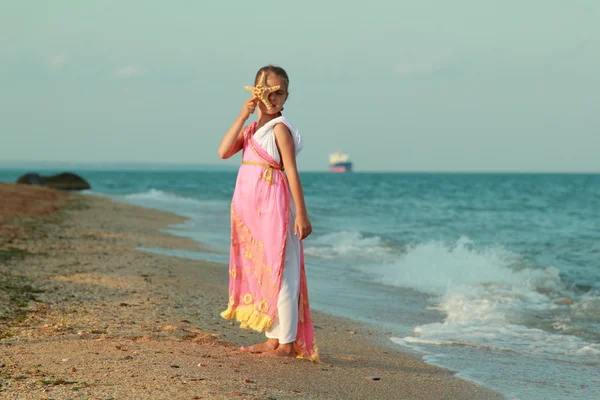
(63,181)
(67,181)
(31,179)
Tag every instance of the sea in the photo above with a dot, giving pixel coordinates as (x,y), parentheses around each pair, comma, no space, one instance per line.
(493,276)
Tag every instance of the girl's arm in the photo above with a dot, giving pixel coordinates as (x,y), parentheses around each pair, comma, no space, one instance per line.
(233,141)
(287,150)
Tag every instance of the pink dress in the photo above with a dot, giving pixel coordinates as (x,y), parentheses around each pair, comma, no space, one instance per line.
(260,226)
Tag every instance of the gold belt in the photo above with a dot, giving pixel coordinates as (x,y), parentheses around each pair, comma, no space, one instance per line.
(268,172)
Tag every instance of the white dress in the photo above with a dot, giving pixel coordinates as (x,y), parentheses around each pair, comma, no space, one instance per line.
(285,325)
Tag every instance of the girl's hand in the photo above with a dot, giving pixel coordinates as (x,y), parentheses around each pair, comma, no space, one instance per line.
(302,226)
(248,107)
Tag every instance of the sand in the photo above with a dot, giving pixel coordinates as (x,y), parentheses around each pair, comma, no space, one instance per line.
(86,314)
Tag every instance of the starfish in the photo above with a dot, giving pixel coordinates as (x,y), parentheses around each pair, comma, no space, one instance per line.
(261,91)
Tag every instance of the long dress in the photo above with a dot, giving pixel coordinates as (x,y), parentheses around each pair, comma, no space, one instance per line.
(267,285)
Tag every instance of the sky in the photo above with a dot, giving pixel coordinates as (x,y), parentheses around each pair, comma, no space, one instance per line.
(420,85)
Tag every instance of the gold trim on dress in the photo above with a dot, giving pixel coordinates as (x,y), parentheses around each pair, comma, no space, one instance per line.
(268,172)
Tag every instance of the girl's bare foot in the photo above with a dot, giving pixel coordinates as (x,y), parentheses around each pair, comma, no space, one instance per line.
(283,350)
(269,345)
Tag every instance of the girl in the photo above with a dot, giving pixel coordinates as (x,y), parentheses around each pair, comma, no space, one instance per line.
(267,285)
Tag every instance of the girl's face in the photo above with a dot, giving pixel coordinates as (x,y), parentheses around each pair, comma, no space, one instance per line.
(278,97)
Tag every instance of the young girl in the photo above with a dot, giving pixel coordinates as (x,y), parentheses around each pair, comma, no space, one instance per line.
(267,285)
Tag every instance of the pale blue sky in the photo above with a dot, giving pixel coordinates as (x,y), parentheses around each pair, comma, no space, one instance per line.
(421,85)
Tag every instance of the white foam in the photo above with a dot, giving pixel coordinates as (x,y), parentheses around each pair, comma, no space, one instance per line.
(489,299)
(501,337)
(159,196)
(433,267)
(414,342)
(199,211)
(346,244)
(591,349)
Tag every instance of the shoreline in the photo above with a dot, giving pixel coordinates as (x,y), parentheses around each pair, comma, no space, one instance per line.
(130,323)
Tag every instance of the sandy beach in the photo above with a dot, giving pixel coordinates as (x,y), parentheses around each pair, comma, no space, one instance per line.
(85,314)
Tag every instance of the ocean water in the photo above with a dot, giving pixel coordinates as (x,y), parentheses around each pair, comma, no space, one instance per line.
(494,276)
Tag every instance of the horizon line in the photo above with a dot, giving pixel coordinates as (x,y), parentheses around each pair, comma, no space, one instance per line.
(106,165)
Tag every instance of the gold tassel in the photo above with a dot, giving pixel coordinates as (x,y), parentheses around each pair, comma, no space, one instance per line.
(268,175)
(248,317)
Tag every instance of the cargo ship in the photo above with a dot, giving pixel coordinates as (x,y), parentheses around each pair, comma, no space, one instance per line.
(339,162)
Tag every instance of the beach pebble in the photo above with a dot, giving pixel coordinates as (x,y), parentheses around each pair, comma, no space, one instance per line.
(174,366)
(64,360)
(372,378)
(168,328)
(249,381)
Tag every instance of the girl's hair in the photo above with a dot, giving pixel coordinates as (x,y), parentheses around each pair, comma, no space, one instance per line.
(280,72)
